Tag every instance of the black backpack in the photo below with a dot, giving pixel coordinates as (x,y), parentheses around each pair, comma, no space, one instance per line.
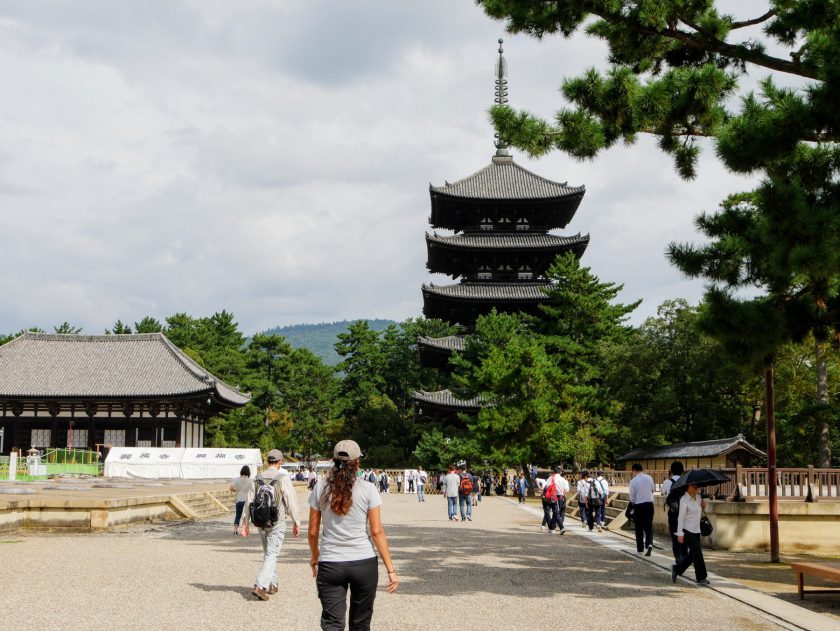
(264,510)
(594,493)
(673,500)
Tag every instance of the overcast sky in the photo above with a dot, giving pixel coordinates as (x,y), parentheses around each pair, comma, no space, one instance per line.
(273,158)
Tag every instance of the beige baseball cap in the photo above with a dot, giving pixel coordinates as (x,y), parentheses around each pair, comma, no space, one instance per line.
(275,455)
(347,450)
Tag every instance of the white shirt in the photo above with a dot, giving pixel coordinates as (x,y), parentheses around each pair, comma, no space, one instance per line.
(561,483)
(453,483)
(667,484)
(641,489)
(603,485)
(690,512)
(583,490)
(345,537)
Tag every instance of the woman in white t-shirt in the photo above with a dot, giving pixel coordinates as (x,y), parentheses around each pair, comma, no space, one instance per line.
(347,505)
(241,485)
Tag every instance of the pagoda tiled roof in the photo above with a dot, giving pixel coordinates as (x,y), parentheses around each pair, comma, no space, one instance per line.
(698,449)
(491,291)
(448,343)
(445,399)
(504,179)
(507,240)
(40,365)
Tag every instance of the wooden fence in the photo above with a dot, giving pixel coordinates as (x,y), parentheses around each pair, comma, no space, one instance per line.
(752,483)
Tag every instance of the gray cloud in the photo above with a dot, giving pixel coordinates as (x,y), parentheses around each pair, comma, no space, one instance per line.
(273,159)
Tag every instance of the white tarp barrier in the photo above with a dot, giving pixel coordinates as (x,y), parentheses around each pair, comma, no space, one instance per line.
(143,462)
(219,463)
(180,463)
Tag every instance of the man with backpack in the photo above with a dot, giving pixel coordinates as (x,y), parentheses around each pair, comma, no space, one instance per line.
(465,490)
(672,506)
(270,499)
(553,494)
(587,500)
(604,492)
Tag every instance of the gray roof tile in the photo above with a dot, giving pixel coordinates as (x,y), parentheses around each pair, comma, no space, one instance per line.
(504,179)
(491,291)
(445,398)
(144,365)
(699,449)
(448,343)
(508,240)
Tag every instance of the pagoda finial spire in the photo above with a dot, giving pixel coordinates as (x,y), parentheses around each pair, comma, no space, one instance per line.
(501,94)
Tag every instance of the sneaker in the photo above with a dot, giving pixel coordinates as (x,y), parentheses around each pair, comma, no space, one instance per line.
(562,531)
(598,527)
(260,593)
(273,589)
(469,518)
(705,581)
(648,551)
(552,532)
(674,573)
(542,528)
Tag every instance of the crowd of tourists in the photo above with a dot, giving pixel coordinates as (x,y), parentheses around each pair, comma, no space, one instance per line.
(345,526)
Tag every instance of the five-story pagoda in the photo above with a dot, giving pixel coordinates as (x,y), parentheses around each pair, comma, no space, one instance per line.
(501,249)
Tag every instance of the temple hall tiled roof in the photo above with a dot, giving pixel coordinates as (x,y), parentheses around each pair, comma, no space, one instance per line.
(507,240)
(448,343)
(700,449)
(445,398)
(144,365)
(491,291)
(504,179)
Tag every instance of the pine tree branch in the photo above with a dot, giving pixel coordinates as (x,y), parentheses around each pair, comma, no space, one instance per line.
(711,43)
(758,20)
(735,51)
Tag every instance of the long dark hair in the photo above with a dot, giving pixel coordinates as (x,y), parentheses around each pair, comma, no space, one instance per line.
(339,488)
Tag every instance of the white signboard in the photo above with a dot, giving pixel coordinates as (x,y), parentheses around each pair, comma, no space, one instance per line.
(180,463)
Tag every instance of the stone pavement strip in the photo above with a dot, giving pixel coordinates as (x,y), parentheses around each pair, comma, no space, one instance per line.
(497,572)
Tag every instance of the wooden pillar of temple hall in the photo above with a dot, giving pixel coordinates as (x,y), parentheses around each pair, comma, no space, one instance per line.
(90,410)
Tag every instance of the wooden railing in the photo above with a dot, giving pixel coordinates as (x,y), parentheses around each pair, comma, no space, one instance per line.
(804,483)
(751,483)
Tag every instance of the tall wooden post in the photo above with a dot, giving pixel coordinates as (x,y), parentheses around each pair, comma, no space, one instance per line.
(770,405)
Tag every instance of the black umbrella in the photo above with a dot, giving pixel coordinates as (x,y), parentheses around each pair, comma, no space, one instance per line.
(698,477)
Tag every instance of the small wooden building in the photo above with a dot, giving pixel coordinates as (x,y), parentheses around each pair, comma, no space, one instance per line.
(724,453)
(118,390)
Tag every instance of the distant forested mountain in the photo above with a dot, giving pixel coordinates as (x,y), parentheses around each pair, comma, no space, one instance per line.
(321,338)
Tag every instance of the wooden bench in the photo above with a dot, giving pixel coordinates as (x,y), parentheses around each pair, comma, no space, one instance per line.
(830,571)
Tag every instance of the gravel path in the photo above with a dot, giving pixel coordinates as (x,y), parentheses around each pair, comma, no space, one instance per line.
(495,573)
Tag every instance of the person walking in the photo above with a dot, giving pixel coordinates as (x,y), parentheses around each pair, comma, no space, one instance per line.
(399,482)
(241,486)
(586,505)
(421,484)
(688,533)
(553,495)
(641,496)
(603,489)
(272,537)
(451,483)
(673,509)
(465,491)
(344,557)
(521,488)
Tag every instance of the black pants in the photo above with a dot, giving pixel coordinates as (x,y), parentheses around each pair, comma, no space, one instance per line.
(334,578)
(553,513)
(643,515)
(693,556)
(679,549)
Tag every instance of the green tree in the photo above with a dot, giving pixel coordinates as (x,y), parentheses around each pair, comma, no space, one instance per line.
(119,329)
(148,325)
(676,383)
(66,328)
(673,68)
(362,367)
